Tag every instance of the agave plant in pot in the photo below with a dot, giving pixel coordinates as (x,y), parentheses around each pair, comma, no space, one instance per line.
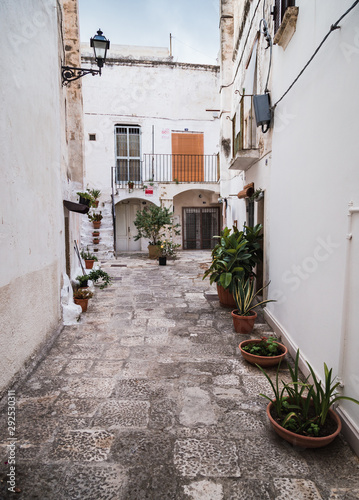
(301,412)
(244,296)
(266,351)
(81,297)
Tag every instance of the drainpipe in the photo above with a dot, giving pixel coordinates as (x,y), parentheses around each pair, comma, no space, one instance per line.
(343,338)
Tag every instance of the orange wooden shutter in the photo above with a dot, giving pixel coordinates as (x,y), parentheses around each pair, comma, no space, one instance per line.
(187,161)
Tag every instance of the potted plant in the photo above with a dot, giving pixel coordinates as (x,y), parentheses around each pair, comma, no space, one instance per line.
(167,249)
(85,198)
(98,274)
(89,259)
(244,316)
(95,234)
(95,194)
(235,256)
(265,351)
(130,185)
(81,297)
(95,218)
(83,280)
(96,241)
(153,222)
(300,412)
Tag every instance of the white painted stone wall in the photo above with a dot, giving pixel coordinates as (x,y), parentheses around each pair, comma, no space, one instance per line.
(34,182)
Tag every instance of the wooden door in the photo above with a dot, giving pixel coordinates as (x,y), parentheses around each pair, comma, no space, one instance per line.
(187,159)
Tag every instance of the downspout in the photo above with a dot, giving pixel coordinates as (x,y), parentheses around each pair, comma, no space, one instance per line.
(113,213)
(343,337)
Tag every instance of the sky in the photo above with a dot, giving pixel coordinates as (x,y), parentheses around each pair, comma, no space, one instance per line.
(192,23)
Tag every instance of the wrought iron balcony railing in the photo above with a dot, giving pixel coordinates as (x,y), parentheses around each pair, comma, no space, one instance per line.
(168,168)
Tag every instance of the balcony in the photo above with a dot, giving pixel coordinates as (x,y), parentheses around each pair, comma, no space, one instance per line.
(245,152)
(169,168)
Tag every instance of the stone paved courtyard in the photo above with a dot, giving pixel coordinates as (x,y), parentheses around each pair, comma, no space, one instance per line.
(148,398)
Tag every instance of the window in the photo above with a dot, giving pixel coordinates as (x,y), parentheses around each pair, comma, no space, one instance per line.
(128,153)
(92,137)
(279,9)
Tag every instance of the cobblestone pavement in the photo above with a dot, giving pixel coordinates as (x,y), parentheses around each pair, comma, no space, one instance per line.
(148,398)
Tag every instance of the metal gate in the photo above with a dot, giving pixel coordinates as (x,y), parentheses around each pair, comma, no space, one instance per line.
(200,225)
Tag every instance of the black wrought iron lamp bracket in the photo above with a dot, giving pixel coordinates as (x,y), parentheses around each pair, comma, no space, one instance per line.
(70,74)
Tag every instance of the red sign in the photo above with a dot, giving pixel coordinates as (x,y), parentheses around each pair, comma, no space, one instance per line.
(149,191)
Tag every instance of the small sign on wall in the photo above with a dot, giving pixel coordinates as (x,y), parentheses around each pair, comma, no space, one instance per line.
(149,191)
(165,133)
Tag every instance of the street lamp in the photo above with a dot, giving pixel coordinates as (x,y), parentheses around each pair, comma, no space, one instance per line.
(100,46)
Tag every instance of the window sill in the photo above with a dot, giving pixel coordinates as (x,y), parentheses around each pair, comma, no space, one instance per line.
(287,28)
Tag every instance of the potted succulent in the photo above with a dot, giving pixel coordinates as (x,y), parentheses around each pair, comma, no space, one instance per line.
(81,297)
(82,280)
(95,234)
(89,259)
(266,351)
(130,185)
(244,316)
(95,218)
(301,412)
(96,241)
(153,222)
(95,194)
(235,256)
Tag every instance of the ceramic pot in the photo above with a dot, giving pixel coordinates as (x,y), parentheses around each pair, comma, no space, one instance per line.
(305,441)
(83,303)
(162,261)
(225,297)
(89,264)
(243,324)
(96,241)
(96,224)
(262,360)
(154,251)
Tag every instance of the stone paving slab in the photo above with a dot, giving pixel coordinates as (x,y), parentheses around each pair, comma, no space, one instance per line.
(148,398)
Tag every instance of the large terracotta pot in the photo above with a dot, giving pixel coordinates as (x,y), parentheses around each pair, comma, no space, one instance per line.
(225,297)
(96,224)
(83,303)
(305,441)
(243,324)
(154,251)
(262,360)
(89,264)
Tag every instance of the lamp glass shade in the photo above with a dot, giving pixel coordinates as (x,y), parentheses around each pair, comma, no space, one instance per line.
(100,45)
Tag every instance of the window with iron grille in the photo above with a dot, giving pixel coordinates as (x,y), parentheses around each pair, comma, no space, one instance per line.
(279,9)
(128,153)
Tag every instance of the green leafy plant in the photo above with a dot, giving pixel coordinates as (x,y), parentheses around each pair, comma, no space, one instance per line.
(82,293)
(83,280)
(235,255)
(168,248)
(244,295)
(86,196)
(96,275)
(267,346)
(256,194)
(303,407)
(95,193)
(95,216)
(88,255)
(153,222)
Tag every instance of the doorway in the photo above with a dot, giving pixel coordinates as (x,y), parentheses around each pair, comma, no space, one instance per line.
(125,228)
(200,225)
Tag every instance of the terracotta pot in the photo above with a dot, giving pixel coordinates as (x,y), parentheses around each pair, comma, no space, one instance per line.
(262,360)
(89,264)
(225,297)
(154,251)
(96,234)
(83,303)
(243,324)
(162,261)
(96,224)
(96,203)
(96,241)
(305,441)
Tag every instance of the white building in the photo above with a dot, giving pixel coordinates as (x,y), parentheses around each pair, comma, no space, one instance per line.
(307,166)
(42,161)
(154,122)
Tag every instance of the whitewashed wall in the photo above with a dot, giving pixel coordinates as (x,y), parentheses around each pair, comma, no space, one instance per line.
(314,176)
